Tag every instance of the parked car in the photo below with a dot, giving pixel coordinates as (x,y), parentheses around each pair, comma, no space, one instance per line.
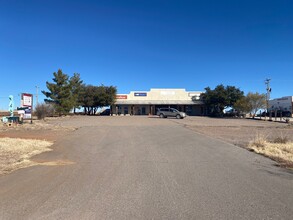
(170,112)
(106,112)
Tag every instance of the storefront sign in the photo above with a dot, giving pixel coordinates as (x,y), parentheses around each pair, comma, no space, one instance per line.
(121,96)
(140,94)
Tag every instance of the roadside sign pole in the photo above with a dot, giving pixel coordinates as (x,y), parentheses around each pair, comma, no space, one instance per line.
(32,109)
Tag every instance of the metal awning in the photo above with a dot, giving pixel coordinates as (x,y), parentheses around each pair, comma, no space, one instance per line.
(158,102)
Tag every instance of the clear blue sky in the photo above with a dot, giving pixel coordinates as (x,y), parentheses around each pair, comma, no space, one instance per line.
(138,45)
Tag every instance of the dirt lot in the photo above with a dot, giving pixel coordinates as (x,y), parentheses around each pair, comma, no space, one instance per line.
(264,137)
(238,131)
(50,129)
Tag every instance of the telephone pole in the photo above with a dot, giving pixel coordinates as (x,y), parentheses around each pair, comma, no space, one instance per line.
(269,89)
(37,95)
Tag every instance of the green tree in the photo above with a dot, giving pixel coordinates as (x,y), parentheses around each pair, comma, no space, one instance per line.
(111,92)
(233,95)
(256,102)
(87,98)
(76,86)
(242,105)
(59,94)
(251,103)
(221,97)
(94,97)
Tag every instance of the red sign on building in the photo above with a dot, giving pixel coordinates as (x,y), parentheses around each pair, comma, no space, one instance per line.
(121,96)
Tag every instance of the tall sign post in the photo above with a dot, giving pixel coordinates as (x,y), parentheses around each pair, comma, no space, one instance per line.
(27,104)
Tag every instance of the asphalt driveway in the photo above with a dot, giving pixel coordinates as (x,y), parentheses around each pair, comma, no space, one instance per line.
(146,168)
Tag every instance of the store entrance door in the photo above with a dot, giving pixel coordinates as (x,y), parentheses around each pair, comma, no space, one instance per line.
(143,110)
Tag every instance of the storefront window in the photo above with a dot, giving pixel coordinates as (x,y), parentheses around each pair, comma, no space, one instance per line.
(126,110)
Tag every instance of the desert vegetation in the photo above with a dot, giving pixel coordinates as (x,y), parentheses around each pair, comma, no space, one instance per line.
(279,149)
(15,153)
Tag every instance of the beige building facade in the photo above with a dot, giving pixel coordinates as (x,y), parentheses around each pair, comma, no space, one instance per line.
(284,104)
(147,102)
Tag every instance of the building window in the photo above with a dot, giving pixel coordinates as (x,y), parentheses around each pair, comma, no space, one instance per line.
(126,110)
(119,110)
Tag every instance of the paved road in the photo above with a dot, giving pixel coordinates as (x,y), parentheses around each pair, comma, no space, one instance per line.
(146,168)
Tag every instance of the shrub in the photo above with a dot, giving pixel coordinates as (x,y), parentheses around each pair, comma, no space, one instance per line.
(281,139)
(259,141)
(43,110)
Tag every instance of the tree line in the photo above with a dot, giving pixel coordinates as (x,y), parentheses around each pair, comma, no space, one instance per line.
(67,93)
(224,97)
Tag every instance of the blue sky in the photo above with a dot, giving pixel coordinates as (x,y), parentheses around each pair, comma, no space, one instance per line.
(138,45)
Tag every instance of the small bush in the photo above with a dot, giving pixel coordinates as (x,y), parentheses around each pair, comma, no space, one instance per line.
(259,141)
(280,149)
(43,110)
(281,140)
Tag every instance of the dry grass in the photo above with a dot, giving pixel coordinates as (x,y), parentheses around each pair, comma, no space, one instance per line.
(15,153)
(280,149)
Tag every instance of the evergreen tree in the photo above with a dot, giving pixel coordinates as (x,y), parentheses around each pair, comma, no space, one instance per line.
(76,86)
(60,94)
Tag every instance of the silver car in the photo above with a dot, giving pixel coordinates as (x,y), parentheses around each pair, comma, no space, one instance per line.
(170,112)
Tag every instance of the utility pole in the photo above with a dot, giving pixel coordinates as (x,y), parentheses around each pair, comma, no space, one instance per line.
(37,95)
(269,89)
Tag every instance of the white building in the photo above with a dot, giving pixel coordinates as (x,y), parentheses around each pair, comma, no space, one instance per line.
(147,102)
(284,104)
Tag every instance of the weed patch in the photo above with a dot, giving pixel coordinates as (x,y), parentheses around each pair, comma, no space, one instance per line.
(280,149)
(15,153)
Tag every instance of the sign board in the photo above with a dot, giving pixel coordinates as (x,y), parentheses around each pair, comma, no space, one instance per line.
(121,96)
(26,105)
(27,113)
(140,94)
(27,99)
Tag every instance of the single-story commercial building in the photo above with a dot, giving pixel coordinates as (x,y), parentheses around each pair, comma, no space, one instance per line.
(284,104)
(147,102)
